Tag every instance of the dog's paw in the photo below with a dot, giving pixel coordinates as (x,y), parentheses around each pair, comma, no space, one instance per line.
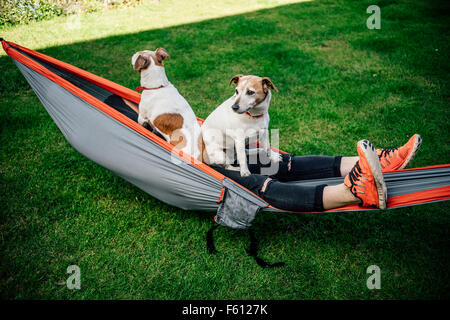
(275,156)
(245,173)
(233,168)
(147,126)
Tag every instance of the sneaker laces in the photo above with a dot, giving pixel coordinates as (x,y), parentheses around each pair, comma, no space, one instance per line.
(355,175)
(386,152)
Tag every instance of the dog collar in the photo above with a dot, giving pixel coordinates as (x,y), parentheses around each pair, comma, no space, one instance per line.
(144,88)
(255,117)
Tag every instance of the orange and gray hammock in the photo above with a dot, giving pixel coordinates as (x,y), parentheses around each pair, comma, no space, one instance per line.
(74,99)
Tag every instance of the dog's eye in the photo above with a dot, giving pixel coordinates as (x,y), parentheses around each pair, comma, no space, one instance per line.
(250,92)
(237,91)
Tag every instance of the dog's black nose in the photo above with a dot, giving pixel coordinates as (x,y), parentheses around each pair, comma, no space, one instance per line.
(235,107)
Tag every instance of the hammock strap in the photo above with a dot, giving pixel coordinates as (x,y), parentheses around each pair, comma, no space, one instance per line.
(252,251)
(210,241)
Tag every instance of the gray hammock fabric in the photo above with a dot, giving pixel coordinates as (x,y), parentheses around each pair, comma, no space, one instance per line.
(150,167)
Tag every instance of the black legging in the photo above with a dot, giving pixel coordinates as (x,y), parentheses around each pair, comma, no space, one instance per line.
(271,187)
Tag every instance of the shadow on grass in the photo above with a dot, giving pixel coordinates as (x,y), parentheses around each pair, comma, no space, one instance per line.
(296,45)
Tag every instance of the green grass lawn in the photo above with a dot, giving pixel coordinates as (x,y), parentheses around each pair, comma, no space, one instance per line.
(339,82)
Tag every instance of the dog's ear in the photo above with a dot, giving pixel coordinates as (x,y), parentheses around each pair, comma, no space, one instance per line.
(267,84)
(235,79)
(161,54)
(140,61)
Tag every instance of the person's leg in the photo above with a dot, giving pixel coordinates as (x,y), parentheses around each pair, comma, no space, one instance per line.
(364,184)
(347,164)
(132,105)
(295,168)
(293,197)
(278,194)
(253,182)
(301,198)
(122,106)
(317,167)
(338,196)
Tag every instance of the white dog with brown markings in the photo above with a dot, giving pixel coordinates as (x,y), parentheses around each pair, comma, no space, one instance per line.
(238,120)
(162,107)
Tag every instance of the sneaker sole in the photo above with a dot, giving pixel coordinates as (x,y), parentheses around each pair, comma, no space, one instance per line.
(417,143)
(374,163)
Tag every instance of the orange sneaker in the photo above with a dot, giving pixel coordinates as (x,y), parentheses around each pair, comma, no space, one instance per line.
(365,180)
(392,159)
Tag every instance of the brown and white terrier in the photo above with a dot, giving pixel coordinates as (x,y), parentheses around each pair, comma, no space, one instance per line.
(237,120)
(162,107)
